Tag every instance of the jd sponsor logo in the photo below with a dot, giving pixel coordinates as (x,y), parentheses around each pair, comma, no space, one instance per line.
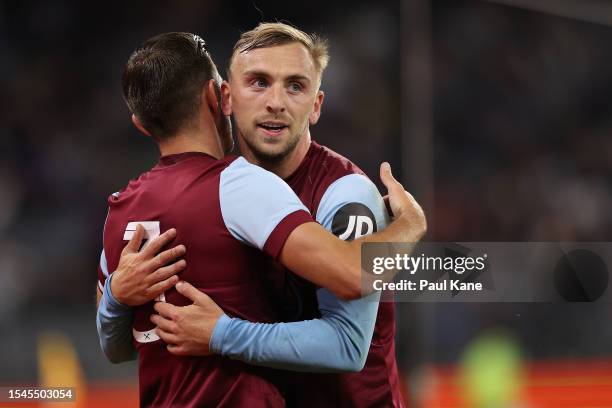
(352,221)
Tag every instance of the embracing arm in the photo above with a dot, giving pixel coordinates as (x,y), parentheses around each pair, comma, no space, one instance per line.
(318,256)
(114,324)
(281,226)
(140,277)
(338,341)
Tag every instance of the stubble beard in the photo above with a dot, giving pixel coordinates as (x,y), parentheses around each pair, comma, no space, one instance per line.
(268,157)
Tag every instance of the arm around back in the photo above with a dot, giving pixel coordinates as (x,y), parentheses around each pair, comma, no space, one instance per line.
(315,254)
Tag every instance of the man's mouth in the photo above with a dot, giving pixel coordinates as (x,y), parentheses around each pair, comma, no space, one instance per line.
(272,128)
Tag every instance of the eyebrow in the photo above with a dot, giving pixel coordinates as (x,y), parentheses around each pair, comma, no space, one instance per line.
(293,77)
(298,77)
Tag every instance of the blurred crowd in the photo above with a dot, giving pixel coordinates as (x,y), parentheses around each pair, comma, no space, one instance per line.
(523,152)
(522,125)
(521,138)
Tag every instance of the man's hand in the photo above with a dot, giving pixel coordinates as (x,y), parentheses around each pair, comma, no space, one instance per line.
(402,203)
(187,330)
(142,276)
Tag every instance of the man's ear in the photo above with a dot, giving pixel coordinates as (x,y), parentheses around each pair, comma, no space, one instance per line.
(139,125)
(211,97)
(226,98)
(313,118)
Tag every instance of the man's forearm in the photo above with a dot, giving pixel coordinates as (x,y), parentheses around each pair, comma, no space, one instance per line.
(114,324)
(320,257)
(402,229)
(339,341)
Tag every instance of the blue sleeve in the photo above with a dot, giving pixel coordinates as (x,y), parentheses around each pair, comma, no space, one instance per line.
(114,324)
(241,186)
(339,341)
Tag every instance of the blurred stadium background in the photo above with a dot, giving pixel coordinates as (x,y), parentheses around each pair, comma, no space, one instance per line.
(496,114)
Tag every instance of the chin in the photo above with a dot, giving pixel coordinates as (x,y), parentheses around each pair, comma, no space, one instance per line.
(270,155)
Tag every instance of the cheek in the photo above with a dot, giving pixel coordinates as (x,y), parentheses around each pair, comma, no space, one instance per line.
(239,119)
(250,102)
(242,96)
(302,109)
(244,117)
(241,107)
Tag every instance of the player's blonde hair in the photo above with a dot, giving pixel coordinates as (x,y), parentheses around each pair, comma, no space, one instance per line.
(274,34)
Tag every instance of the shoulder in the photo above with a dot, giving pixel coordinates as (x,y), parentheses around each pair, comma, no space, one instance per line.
(336,172)
(128,190)
(325,167)
(257,207)
(239,172)
(249,184)
(350,201)
(347,195)
(334,163)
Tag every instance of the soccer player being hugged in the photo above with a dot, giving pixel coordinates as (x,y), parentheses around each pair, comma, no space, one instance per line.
(225,211)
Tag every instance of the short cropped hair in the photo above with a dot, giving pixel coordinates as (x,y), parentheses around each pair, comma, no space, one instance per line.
(163,80)
(274,34)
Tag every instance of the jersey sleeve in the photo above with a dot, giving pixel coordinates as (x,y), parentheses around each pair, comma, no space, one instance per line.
(114,325)
(258,208)
(352,207)
(113,319)
(339,341)
(102,271)
(102,263)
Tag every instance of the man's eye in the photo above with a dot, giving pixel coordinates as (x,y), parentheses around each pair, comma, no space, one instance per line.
(295,87)
(259,83)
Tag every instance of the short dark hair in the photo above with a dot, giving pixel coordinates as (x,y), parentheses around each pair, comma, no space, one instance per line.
(163,79)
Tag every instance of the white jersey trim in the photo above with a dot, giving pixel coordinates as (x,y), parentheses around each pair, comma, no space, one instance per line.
(148,336)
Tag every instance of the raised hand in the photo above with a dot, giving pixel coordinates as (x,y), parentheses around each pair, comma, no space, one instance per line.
(400,202)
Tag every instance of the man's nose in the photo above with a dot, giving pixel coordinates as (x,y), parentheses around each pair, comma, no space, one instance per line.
(276,100)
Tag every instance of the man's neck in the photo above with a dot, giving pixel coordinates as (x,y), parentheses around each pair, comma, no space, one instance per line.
(191,142)
(288,165)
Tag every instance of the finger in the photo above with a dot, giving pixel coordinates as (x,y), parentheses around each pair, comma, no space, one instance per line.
(388,204)
(168,338)
(164,258)
(166,310)
(134,245)
(166,272)
(386,176)
(177,350)
(160,287)
(158,243)
(166,325)
(189,291)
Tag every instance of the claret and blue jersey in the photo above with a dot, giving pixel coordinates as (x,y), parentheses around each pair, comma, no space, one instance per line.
(326,337)
(212,204)
(346,202)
